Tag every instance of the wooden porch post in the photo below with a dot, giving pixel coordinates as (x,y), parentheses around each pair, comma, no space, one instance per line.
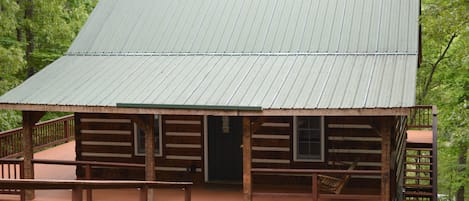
(29,119)
(385,132)
(146,123)
(247,179)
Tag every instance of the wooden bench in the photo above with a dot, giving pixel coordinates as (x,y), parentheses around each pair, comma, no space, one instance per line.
(77,186)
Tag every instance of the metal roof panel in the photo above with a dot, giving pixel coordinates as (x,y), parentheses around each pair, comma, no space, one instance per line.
(275,82)
(277,54)
(232,26)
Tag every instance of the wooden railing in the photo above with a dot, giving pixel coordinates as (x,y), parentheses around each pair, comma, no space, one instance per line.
(18,184)
(11,169)
(314,173)
(77,186)
(45,134)
(421,117)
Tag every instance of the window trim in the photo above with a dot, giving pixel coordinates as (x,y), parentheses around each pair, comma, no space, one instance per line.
(295,142)
(160,131)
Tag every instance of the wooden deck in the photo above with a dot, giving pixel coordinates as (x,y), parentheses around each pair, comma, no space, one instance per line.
(199,193)
(420,136)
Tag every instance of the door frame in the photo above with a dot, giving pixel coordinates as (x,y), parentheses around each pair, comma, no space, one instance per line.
(206,150)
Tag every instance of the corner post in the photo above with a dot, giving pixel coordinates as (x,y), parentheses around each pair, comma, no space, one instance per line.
(149,154)
(434,173)
(29,120)
(146,123)
(247,178)
(385,132)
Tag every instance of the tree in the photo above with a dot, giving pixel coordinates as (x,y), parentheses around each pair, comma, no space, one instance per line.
(444,80)
(34,33)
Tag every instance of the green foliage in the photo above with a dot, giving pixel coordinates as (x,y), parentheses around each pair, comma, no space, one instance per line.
(449,90)
(53,24)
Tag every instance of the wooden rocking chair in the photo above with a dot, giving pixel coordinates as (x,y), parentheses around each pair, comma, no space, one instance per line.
(334,184)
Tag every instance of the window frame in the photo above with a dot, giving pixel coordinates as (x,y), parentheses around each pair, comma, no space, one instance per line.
(160,131)
(295,140)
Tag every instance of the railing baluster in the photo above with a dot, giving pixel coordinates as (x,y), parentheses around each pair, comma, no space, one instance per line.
(89,193)
(187,193)
(315,187)
(9,171)
(14,171)
(66,129)
(144,193)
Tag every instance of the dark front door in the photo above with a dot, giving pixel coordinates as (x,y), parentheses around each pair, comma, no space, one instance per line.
(225,159)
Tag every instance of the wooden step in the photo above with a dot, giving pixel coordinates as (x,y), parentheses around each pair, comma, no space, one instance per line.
(418,187)
(419,156)
(418,170)
(419,149)
(418,163)
(417,178)
(418,194)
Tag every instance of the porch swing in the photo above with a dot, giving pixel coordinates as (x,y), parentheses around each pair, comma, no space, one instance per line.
(335,184)
(332,184)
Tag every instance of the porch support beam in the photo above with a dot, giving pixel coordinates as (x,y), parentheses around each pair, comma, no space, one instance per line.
(146,123)
(247,178)
(385,129)
(29,120)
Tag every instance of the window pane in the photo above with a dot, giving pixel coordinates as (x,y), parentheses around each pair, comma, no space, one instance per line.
(141,137)
(309,137)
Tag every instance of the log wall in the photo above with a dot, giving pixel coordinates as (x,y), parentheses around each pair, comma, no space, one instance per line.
(110,137)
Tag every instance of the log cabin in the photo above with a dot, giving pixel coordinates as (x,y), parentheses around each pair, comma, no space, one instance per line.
(229,91)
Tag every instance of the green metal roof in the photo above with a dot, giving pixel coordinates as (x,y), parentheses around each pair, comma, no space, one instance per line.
(283,82)
(269,54)
(250,26)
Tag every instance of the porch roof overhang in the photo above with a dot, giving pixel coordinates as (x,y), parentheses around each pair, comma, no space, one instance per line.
(331,84)
(210,111)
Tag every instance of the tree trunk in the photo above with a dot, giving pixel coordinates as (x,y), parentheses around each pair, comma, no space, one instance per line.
(461,162)
(28,15)
(19,32)
(429,80)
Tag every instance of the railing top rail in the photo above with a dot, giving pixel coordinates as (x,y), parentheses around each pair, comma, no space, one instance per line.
(423,107)
(64,118)
(7,132)
(64,162)
(313,171)
(67,117)
(11,161)
(87,184)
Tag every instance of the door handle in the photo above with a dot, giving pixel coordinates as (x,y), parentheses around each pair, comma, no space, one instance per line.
(241,146)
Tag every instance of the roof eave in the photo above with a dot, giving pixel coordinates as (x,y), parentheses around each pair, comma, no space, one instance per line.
(397,111)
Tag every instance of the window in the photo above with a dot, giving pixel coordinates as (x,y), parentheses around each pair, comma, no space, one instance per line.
(308,138)
(140,138)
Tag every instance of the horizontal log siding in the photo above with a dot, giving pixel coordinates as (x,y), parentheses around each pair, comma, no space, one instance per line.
(105,138)
(347,139)
(110,138)
(181,135)
(354,138)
